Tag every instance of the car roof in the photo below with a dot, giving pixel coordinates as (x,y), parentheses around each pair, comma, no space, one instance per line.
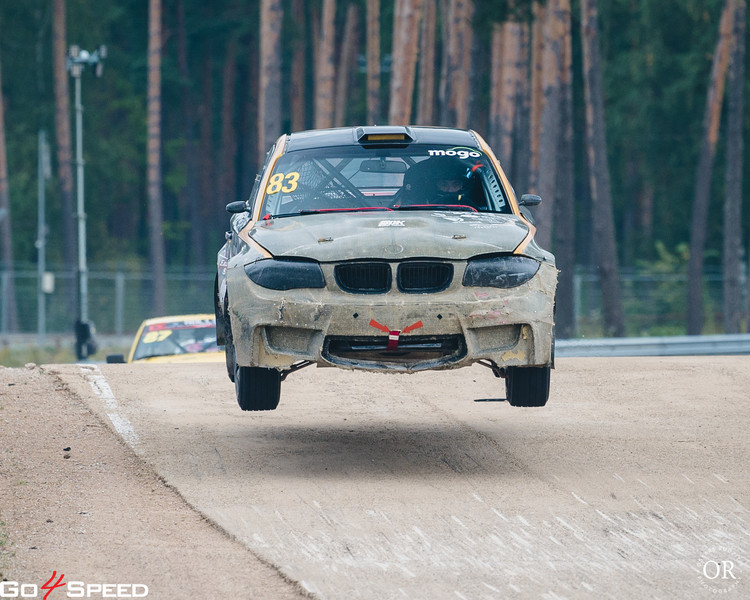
(350,136)
(179,318)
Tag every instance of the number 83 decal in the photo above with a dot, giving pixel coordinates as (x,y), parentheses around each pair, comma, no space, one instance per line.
(282,182)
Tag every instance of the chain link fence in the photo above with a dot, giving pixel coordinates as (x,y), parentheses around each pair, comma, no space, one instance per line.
(118,300)
(654,304)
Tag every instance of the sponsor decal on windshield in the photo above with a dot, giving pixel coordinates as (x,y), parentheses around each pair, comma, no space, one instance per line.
(462,153)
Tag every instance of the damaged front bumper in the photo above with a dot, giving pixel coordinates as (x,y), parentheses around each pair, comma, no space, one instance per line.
(393,331)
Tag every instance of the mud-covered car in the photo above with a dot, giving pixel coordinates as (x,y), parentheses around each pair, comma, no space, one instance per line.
(387,249)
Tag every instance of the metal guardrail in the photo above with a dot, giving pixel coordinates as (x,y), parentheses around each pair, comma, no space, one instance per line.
(680,345)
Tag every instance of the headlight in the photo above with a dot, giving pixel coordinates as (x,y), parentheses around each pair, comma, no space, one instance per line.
(285,274)
(500,271)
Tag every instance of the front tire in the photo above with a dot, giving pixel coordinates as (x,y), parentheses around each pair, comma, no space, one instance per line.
(229,357)
(229,353)
(527,386)
(257,388)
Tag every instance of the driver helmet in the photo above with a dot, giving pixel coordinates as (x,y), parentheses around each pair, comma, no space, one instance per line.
(449,178)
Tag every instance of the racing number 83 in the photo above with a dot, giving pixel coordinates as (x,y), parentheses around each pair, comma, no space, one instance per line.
(282,182)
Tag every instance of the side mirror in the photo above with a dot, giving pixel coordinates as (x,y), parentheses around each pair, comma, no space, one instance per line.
(115,358)
(237,207)
(530,200)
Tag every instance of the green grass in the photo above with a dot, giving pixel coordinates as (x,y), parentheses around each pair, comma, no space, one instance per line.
(20,355)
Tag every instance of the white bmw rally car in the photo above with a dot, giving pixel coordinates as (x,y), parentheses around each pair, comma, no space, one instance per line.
(384,248)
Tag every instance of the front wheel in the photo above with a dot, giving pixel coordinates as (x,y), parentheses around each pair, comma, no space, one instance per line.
(229,353)
(257,388)
(527,386)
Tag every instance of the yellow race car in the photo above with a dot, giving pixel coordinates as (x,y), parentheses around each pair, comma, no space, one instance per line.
(179,338)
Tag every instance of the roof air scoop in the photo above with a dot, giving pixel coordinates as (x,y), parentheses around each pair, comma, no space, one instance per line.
(384,135)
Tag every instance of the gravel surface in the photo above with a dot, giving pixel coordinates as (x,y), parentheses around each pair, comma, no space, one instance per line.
(76,500)
(632,482)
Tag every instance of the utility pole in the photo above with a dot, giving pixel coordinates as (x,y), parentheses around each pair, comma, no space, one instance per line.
(77,61)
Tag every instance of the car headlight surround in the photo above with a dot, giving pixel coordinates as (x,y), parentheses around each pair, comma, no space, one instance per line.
(278,274)
(500,271)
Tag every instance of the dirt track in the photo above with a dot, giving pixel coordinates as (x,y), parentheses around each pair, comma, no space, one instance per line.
(632,482)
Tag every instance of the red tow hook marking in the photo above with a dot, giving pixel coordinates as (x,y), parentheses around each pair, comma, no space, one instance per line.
(393,339)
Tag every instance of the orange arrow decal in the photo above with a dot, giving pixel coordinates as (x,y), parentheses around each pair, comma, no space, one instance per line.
(413,326)
(374,323)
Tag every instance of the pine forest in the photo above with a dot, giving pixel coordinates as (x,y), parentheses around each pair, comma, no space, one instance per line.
(626,116)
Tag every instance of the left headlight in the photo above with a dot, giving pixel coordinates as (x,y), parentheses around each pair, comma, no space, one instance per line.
(500,271)
(276,274)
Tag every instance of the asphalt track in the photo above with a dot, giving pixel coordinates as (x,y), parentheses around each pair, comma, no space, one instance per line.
(633,482)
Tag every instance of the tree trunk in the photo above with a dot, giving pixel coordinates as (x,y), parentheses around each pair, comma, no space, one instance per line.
(477,69)
(601,195)
(512,72)
(9,316)
(404,64)
(206,112)
(297,87)
(505,83)
(426,86)
(251,154)
(701,198)
(64,143)
(454,85)
(228,164)
(565,205)
(373,62)
(733,201)
(324,76)
(269,94)
(196,251)
(520,166)
(535,110)
(496,96)
(153,157)
(347,61)
(552,64)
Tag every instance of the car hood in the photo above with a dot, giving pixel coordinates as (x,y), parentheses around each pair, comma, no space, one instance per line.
(392,235)
(191,357)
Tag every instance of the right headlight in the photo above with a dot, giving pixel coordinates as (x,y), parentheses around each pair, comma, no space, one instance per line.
(500,271)
(277,274)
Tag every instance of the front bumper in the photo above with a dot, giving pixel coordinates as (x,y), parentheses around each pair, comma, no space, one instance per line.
(393,331)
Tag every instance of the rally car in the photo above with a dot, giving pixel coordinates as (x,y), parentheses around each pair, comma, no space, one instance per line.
(386,249)
(175,338)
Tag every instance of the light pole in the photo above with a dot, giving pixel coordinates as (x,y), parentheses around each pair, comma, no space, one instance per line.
(76,62)
(43,174)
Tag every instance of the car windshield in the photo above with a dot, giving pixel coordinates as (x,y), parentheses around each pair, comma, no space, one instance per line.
(183,337)
(357,178)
